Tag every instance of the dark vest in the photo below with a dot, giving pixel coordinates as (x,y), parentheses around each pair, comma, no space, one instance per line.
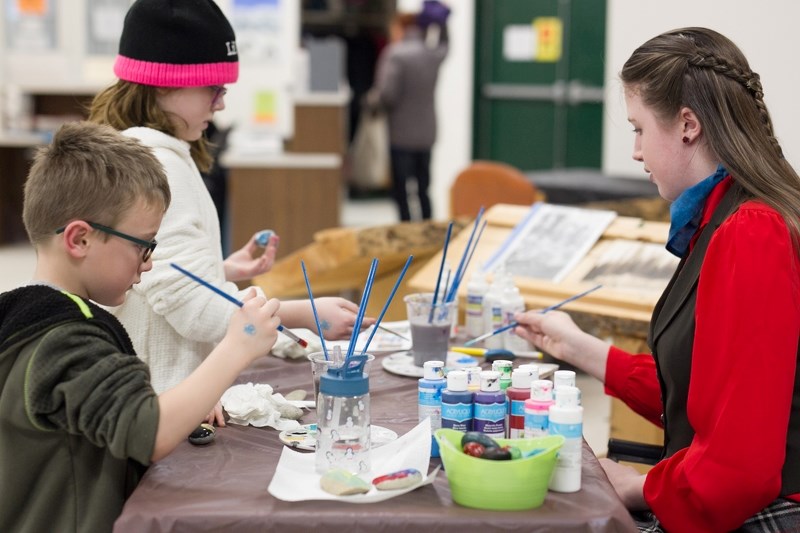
(671,339)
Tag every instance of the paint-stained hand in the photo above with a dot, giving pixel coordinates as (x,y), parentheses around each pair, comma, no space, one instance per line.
(254,327)
(553,332)
(248,262)
(337,318)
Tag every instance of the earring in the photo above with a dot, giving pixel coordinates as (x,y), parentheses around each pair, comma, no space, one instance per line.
(685,140)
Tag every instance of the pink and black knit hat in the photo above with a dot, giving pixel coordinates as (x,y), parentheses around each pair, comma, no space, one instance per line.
(177,43)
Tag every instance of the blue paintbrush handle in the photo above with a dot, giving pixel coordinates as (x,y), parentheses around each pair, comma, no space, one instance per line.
(233,300)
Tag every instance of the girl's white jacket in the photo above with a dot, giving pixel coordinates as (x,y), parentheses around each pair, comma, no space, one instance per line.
(173,321)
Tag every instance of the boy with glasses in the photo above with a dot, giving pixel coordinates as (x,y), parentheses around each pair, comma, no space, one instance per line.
(79,420)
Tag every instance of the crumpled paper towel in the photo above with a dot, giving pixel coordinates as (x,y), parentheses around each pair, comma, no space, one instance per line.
(255,404)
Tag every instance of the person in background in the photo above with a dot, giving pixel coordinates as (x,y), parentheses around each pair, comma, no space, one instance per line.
(175,57)
(405,83)
(722,379)
(79,420)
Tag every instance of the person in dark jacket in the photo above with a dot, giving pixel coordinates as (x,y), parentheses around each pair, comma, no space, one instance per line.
(79,420)
(408,70)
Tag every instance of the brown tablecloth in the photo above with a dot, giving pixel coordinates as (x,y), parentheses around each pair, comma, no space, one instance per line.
(223,486)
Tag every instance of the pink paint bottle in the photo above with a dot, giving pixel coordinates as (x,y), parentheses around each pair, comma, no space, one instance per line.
(537,408)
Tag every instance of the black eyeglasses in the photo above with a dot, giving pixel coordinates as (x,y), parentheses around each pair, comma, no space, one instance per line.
(147,247)
(219,92)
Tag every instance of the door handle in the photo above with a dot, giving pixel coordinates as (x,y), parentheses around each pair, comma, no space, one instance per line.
(572,93)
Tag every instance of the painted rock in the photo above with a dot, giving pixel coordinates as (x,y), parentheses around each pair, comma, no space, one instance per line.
(398,480)
(480,438)
(342,483)
(263,237)
(203,434)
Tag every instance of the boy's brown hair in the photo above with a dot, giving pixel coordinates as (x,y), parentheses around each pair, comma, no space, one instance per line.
(89,172)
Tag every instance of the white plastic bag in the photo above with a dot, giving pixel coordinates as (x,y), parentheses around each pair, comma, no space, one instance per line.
(369,153)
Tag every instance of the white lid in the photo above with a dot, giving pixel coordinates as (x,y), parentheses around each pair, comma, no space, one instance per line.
(567,396)
(521,378)
(474,375)
(563,377)
(490,381)
(542,390)
(433,370)
(503,366)
(457,381)
(533,368)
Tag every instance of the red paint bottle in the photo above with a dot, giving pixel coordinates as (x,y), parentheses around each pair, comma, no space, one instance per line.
(518,392)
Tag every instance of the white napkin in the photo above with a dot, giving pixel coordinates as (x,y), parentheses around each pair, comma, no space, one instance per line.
(258,406)
(296,479)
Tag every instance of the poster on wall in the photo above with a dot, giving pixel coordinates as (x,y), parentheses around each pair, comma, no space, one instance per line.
(267,36)
(31,25)
(259,29)
(104,21)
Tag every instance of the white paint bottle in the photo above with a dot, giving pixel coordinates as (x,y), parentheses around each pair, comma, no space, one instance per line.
(566,418)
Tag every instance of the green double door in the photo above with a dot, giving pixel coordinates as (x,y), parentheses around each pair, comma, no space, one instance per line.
(539,82)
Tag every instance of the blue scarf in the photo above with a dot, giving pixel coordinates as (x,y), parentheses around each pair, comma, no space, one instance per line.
(687,210)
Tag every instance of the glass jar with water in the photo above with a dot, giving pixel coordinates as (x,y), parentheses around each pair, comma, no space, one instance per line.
(343,428)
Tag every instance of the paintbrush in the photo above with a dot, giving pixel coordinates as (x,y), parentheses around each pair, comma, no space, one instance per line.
(543,311)
(204,283)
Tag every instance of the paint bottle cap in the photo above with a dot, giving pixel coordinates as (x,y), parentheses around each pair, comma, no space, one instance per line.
(433,370)
(521,378)
(563,377)
(567,396)
(542,390)
(503,366)
(533,368)
(457,381)
(473,377)
(490,381)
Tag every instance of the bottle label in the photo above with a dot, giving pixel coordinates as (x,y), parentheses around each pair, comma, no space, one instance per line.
(570,431)
(517,407)
(536,423)
(490,418)
(429,396)
(430,406)
(458,412)
(497,317)
(457,416)
(474,304)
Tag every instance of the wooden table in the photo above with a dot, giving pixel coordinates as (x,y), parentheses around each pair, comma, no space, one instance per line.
(223,486)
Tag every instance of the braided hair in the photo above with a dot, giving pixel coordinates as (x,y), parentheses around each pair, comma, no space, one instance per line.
(703,70)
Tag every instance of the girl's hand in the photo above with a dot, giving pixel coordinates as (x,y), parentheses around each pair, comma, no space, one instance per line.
(337,317)
(553,332)
(216,415)
(245,263)
(627,482)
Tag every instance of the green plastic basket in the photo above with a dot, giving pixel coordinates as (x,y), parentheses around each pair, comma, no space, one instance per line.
(498,485)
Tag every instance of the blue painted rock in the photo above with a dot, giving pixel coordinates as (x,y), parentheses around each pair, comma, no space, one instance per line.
(262,237)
